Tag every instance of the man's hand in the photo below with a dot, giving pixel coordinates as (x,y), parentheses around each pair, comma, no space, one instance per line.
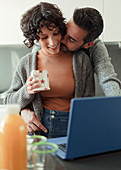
(32,121)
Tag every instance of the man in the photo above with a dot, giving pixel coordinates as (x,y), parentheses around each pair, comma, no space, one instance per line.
(82,30)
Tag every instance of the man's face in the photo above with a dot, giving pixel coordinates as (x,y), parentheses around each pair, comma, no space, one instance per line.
(74,39)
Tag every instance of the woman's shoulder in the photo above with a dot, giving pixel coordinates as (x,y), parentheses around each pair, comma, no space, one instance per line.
(26,58)
(26,62)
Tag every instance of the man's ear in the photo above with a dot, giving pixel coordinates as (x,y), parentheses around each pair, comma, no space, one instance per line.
(89,44)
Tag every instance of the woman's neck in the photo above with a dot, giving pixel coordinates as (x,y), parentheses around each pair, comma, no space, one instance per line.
(49,55)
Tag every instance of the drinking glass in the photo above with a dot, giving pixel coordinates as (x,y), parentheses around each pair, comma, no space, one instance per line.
(31,141)
(44,156)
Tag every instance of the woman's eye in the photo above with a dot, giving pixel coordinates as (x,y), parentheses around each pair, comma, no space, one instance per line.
(44,38)
(56,33)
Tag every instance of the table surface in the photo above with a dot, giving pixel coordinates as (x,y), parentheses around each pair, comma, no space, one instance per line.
(106,161)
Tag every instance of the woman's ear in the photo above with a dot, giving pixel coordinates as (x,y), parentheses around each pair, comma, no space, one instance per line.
(89,44)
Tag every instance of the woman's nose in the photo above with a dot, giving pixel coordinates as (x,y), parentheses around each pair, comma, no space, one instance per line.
(52,41)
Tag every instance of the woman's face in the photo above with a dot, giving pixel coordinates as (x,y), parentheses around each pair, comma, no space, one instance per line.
(50,40)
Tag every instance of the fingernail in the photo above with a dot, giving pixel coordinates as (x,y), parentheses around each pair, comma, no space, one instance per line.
(45,130)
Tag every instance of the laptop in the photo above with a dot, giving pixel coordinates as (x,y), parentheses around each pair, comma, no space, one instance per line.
(94,127)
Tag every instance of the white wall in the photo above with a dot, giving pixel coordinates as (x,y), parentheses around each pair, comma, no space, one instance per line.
(112,15)
(11,11)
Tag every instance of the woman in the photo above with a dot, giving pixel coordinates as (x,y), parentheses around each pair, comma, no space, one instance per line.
(69,75)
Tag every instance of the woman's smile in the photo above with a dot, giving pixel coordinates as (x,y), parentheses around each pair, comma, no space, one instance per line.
(50,40)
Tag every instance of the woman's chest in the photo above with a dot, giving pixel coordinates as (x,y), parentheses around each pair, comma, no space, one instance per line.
(60,74)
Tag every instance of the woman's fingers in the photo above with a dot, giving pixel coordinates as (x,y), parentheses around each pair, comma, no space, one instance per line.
(39,125)
(32,127)
(29,129)
(32,121)
(32,84)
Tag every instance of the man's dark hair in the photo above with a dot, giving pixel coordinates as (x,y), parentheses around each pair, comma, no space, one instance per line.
(43,14)
(90,20)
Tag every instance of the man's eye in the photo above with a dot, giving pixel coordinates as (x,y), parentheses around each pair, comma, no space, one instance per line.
(71,40)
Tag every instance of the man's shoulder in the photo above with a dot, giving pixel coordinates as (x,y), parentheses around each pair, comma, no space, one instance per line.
(97,44)
(98,51)
(81,55)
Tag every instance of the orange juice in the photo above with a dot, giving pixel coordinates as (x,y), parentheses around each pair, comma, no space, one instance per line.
(13,132)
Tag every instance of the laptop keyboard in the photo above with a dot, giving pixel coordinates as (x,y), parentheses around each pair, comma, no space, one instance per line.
(62,147)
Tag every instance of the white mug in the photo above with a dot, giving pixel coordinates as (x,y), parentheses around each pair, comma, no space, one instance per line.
(43,79)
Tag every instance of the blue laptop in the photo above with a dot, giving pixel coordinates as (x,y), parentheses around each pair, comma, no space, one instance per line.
(94,127)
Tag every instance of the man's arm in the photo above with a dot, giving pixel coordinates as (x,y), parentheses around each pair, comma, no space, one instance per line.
(107,77)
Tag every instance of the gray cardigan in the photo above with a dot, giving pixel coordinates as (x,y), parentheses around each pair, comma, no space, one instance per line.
(104,69)
(83,75)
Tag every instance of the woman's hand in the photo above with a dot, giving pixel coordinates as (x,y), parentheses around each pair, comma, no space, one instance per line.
(32,121)
(32,84)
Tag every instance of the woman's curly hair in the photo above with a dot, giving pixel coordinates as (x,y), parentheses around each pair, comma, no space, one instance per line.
(34,19)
